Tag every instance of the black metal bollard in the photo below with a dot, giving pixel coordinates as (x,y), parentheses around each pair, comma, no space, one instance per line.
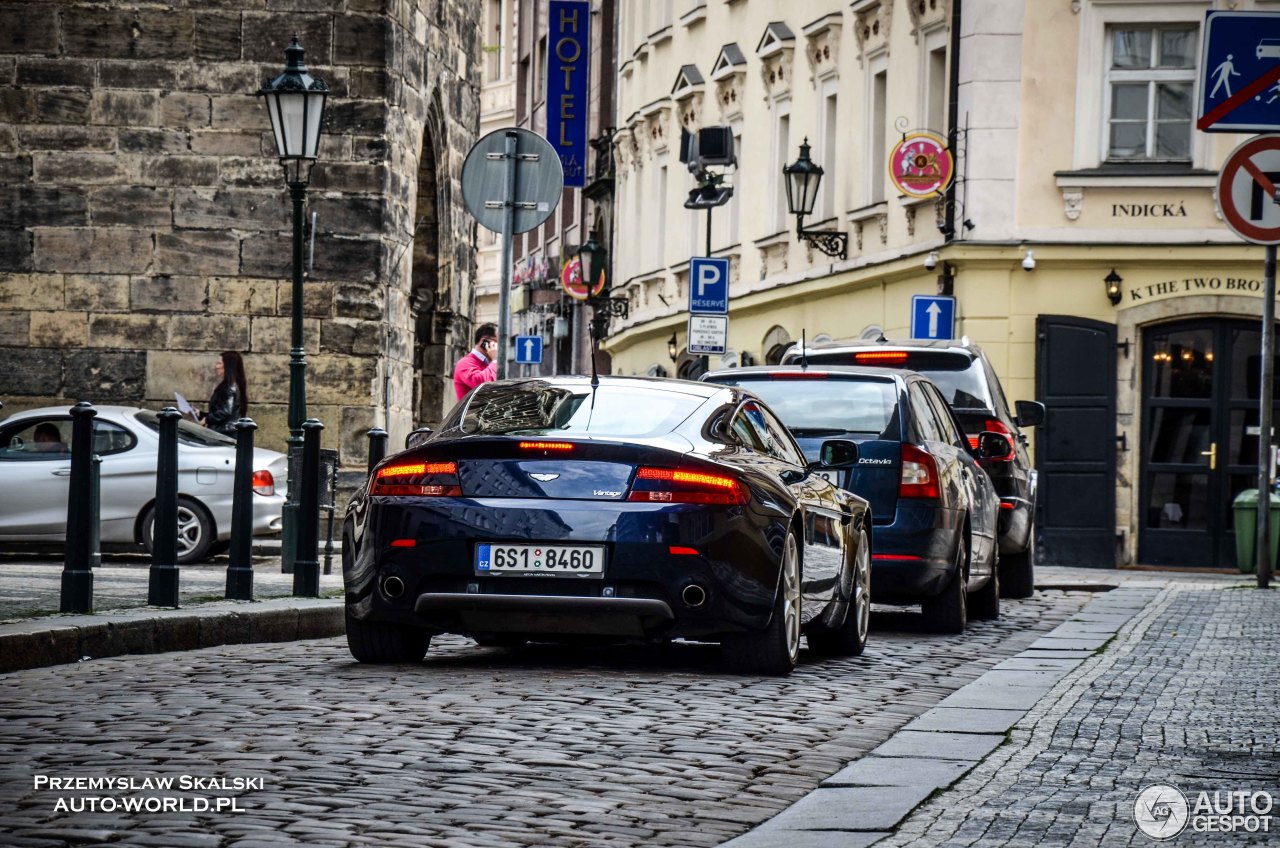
(77,574)
(377,446)
(162,585)
(306,568)
(240,569)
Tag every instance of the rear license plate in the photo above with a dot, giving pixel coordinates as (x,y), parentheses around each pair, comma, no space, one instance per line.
(832,477)
(555,560)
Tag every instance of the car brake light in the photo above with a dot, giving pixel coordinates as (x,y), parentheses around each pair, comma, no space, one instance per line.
(995,425)
(547,446)
(880,357)
(798,375)
(919,474)
(432,479)
(264,483)
(674,485)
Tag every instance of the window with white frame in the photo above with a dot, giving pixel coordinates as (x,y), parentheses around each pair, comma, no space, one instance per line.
(1151,75)
(829,152)
(781,148)
(934,96)
(659,241)
(735,202)
(877,100)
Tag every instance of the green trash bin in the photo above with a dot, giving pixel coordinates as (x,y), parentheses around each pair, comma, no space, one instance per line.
(1246,517)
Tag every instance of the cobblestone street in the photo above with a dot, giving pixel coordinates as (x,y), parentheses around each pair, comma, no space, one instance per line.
(474,747)
(1185,697)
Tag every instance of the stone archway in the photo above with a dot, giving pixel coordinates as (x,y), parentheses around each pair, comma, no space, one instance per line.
(431,286)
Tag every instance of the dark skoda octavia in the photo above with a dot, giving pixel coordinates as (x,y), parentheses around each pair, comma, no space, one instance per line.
(629,508)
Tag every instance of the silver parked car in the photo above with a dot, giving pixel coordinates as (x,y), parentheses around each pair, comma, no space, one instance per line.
(35,467)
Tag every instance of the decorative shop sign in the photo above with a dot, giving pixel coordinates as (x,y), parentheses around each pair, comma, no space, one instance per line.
(920,165)
(1149,210)
(567,65)
(1193,285)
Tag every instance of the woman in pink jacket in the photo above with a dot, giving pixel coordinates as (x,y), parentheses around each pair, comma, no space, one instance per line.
(480,365)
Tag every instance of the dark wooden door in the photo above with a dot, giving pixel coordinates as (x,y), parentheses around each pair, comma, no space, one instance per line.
(1200,381)
(1076,446)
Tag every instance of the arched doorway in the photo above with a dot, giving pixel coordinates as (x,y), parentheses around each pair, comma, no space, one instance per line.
(431,295)
(1200,384)
(775,344)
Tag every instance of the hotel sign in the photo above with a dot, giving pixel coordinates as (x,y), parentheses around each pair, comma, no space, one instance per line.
(567,79)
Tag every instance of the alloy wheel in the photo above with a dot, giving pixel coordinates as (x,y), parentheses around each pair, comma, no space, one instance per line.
(791,595)
(862,591)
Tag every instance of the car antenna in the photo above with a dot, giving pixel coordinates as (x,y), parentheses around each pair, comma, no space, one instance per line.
(804,351)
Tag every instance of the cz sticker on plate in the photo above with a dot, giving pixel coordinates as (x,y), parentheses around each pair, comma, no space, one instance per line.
(554,560)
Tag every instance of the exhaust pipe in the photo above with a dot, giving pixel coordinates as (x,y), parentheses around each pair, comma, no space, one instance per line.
(693,596)
(392,586)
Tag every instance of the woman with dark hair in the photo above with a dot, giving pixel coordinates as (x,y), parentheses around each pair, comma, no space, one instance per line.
(230,400)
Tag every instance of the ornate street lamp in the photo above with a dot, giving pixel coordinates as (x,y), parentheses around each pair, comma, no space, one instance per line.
(1112,281)
(673,348)
(803,177)
(594,259)
(295,102)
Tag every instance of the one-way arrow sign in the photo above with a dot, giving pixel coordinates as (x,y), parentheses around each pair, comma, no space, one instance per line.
(933,317)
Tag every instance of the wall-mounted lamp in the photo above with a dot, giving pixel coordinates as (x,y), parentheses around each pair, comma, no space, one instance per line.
(802,179)
(1029,261)
(673,347)
(1112,281)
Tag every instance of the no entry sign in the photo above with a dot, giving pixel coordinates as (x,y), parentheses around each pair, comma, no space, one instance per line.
(1247,190)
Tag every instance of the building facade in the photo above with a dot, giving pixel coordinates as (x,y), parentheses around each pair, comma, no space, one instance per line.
(1081,238)
(145,226)
(517,96)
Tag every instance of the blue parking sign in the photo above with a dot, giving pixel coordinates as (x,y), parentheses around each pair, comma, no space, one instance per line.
(529,350)
(933,317)
(709,285)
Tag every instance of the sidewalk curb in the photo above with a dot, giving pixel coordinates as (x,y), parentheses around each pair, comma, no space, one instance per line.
(869,798)
(68,639)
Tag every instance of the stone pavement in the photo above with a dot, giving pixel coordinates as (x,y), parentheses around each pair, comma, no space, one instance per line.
(1069,731)
(546,745)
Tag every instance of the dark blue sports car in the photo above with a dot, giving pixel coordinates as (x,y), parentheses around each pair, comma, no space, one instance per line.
(935,508)
(615,508)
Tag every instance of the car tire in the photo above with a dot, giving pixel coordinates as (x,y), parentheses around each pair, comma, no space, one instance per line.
(1018,572)
(850,638)
(195,531)
(985,603)
(947,612)
(380,642)
(776,649)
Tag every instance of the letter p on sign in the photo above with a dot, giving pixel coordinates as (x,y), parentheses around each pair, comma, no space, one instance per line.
(709,292)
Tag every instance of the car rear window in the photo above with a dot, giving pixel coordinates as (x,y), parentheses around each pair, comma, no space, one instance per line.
(536,407)
(813,407)
(960,378)
(189,433)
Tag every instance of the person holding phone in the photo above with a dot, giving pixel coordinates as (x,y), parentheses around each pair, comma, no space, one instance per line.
(480,365)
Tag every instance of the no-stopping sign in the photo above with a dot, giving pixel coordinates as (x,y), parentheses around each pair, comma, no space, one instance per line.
(1247,190)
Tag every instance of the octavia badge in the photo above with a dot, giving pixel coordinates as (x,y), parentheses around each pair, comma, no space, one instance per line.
(544,478)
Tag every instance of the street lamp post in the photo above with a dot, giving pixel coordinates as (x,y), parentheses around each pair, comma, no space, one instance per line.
(594,259)
(295,102)
(803,177)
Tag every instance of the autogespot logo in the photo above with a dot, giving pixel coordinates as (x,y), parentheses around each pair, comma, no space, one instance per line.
(1161,811)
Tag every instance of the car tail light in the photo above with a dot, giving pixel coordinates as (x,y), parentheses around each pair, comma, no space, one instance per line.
(264,483)
(880,357)
(547,446)
(675,485)
(919,474)
(995,425)
(416,479)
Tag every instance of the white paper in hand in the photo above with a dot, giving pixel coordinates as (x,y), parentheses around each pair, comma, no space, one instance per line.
(184,407)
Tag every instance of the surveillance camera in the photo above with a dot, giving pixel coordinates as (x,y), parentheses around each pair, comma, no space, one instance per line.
(1029,261)
(931,261)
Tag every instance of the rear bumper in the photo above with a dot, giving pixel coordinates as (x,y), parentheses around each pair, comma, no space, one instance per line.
(477,613)
(638,595)
(914,557)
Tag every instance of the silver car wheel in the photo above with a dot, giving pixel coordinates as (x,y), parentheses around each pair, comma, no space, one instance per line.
(862,591)
(190,530)
(791,595)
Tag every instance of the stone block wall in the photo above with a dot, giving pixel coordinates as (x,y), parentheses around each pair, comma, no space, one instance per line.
(145,225)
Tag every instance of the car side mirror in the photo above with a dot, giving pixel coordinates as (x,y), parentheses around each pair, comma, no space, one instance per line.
(1030,413)
(838,453)
(417,437)
(994,446)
